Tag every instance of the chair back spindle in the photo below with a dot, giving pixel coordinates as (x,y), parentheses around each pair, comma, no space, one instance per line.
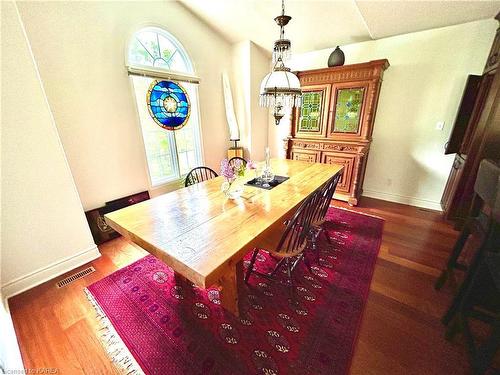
(234,159)
(326,195)
(294,238)
(199,174)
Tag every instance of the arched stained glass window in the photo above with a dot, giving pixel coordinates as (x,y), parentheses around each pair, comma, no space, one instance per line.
(154,55)
(154,47)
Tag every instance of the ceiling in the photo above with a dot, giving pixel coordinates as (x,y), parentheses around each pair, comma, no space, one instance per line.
(318,24)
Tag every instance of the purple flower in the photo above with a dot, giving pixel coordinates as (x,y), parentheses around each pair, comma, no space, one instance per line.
(226,170)
(237,164)
(251,165)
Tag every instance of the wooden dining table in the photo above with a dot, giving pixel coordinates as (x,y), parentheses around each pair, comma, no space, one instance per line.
(203,235)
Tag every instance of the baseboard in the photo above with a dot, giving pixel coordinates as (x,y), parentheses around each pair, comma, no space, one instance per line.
(23,283)
(411,201)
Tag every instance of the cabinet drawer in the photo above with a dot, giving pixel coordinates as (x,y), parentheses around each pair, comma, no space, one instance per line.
(305,155)
(346,160)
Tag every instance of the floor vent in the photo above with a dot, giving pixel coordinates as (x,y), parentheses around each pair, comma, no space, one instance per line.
(75,276)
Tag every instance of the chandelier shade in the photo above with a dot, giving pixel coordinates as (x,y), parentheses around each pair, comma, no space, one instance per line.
(280,87)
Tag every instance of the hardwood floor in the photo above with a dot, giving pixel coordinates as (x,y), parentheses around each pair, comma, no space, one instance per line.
(400,332)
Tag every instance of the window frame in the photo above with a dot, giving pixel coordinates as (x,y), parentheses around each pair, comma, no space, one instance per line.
(161,73)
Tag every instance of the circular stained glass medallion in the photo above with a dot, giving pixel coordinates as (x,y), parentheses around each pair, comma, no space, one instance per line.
(168,104)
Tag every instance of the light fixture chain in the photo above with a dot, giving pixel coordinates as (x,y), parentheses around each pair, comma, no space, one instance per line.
(280,89)
(282,27)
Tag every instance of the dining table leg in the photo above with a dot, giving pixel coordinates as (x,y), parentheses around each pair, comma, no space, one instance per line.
(231,285)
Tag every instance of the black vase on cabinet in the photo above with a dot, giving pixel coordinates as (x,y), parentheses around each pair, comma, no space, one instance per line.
(337,58)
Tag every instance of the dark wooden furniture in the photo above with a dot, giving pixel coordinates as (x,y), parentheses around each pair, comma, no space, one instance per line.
(466,108)
(102,232)
(334,124)
(129,200)
(481,140)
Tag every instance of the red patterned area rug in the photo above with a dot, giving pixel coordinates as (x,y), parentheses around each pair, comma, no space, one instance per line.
(154,325)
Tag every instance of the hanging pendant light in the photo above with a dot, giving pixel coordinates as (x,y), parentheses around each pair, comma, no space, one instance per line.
(280,89)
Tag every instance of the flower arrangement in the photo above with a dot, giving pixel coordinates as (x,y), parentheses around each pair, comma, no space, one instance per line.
(230,172)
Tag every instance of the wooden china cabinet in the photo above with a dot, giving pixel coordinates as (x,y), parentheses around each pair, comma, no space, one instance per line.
(334,124)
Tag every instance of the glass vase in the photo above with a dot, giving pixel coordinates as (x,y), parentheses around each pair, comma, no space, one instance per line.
(268,159)
(267,173)
(233,189)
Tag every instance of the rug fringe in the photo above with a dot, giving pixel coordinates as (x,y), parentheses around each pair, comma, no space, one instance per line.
(112,343)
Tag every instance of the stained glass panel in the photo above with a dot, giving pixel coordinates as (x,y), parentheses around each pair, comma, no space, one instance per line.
(168,104)
(153,47)
(310,112)
(348,110)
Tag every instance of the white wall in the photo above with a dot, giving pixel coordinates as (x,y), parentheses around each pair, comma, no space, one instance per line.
(277,133)
(250,66)
(422,86)
(80,50)
(260,62)
(240,86)
(44,230)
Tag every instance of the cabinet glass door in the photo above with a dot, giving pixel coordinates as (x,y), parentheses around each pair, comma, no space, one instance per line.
(313,112)
(310,115)
(348,105)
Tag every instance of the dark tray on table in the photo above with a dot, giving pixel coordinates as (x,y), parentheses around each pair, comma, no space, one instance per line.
(277,180)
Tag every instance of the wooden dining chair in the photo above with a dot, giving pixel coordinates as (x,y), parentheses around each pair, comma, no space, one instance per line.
(234,159)
(480,301)
(288,245)
(199,174)
(319,217)
(482,222)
